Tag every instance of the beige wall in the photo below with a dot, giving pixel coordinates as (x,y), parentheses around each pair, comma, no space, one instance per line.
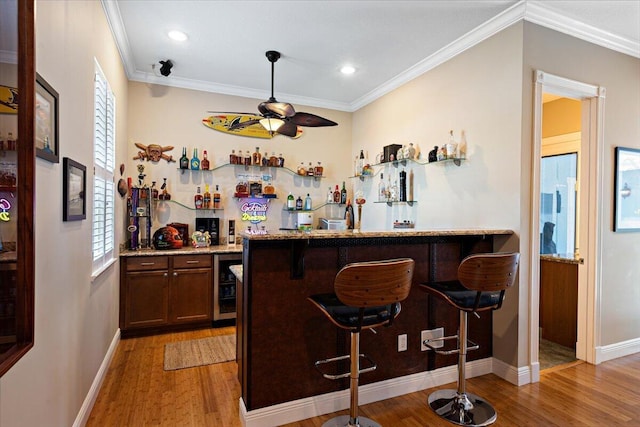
(477,91)
(173,117)
(75,319)
(574,59)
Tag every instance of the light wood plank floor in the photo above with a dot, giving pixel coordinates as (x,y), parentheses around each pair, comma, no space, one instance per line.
(138,392)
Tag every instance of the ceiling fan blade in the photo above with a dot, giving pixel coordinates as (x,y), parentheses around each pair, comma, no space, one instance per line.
(311,120)
(282,109)
(288,129)
(224,113)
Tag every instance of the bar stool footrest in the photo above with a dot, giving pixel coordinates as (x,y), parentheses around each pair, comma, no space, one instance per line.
(470,345)
(371,366)
(464,409)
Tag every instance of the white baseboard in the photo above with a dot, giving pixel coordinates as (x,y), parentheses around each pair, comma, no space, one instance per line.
(301,409)
(517,376)
(613,351)
(92,395)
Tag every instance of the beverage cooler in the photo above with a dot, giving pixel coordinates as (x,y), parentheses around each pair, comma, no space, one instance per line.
(224,286)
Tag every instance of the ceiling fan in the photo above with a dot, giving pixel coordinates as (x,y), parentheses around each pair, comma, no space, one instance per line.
(280,117)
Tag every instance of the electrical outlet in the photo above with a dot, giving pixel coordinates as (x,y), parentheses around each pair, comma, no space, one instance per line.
(402,342)
(429,335)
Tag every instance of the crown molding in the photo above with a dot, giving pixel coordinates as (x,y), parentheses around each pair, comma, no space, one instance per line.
(114,19)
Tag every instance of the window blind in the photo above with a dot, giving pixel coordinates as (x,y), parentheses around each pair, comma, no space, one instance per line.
(103,177)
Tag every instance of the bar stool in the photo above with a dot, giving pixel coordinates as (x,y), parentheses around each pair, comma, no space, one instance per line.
(482,281)
(367,295)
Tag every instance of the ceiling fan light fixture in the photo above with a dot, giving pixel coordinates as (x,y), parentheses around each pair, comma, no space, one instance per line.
(271,124)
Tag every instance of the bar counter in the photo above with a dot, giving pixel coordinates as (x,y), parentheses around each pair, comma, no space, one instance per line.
(281,335)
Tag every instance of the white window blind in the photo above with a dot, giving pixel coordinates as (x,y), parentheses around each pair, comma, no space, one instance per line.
(103,165)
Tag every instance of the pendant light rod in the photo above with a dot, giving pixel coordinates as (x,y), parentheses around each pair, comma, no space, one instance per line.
(273,57)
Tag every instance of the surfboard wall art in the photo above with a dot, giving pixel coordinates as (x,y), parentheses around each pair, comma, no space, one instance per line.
(8,100)
(223,122)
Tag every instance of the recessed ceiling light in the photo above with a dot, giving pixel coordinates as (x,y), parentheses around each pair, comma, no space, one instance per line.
(347,69)
(177,35)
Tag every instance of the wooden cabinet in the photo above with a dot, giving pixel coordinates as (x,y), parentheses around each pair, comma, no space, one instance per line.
(167,292)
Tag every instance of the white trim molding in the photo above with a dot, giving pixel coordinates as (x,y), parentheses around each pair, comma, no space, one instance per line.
(613,351)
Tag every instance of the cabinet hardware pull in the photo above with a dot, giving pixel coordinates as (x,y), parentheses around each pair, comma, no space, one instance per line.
(147,263)
(165,274)
(192,262)
(175,274)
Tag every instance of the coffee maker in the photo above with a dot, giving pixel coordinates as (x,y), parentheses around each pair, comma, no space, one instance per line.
(212,225)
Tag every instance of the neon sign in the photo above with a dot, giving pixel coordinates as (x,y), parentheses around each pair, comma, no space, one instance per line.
(254,210)
(5,205)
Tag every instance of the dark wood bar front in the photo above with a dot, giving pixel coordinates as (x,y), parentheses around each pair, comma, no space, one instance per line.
(281,335)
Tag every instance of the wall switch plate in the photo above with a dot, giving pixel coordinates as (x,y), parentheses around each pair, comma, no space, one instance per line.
(402,342)
(429,335)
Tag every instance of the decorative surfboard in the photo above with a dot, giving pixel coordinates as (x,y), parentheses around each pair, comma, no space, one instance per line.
(8,99)
(222,123)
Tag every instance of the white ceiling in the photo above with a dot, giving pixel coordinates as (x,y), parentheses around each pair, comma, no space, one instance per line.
(388,42)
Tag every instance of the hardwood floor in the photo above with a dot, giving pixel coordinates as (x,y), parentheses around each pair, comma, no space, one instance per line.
(138,392)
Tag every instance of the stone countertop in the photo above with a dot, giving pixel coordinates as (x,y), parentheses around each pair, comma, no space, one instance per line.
(237,271)
(349,234)
(218,249)
(562,258)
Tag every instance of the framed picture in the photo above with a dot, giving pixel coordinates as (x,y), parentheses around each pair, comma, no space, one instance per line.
(46,139)
(74,186)
(8,100)
(626,190)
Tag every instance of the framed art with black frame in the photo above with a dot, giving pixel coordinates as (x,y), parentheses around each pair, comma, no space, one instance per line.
(74,186)
(46,138)
(626,190)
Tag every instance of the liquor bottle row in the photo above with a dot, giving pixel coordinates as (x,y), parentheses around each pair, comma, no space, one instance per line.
(256,158)
(206,200)
(298,204)
(336,195)
(8,143)
(194,163)
(316,171)
(392,191)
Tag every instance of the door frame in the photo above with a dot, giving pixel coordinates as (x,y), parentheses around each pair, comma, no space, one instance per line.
(591,214)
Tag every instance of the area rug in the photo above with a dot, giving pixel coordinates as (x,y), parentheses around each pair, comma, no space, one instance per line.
(205,351)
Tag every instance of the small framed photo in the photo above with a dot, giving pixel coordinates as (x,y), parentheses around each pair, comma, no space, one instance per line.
(626,191)
(46,138)
(74,185)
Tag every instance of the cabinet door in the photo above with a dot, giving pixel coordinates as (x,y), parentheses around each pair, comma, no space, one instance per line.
(191,295)
(147,299)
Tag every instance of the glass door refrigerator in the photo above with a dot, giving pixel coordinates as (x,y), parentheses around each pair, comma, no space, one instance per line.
(224,286)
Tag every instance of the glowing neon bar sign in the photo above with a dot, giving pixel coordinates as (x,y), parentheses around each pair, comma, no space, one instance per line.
(5,205)
(254,210)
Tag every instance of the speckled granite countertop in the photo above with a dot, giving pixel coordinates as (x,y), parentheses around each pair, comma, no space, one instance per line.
(563,258)
(237,271)
(219,249)
(349,234)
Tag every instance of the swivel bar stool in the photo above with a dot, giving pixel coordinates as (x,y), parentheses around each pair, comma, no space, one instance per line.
(482,281)
(367,294)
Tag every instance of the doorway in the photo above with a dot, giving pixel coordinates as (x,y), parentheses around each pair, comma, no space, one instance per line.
(587,214)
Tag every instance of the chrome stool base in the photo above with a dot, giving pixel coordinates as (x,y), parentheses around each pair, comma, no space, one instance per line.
(343,421)
(462,409)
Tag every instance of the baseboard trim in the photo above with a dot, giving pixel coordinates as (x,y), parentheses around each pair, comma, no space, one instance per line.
(517,376)
(92,395)
(613,351)
(301,409)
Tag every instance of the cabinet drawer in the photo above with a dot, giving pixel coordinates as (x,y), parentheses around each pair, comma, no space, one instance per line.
(191,261)
(147,263)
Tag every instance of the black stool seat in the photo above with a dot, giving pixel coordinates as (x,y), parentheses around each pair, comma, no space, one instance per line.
(463,298)
(348,317)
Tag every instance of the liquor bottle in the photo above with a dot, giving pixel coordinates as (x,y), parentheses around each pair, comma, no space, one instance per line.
(247,159)
(195,161)
(343,194)
(206,198)
(318,170)
(336,195)
(291,202)
(382,190)
(461,151)
(257,157)
(451,146)
(302,171)
(184,160)
(410,196)
(265,159)
(281,161)
(204,165)
(273,160)
(310,170)
(360,166)
(348,215)
(403,186)
(154,191)
(198,199)
(2,146)
(299,203)
(233,159)
(217,199)
(330,196)
(307,203)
